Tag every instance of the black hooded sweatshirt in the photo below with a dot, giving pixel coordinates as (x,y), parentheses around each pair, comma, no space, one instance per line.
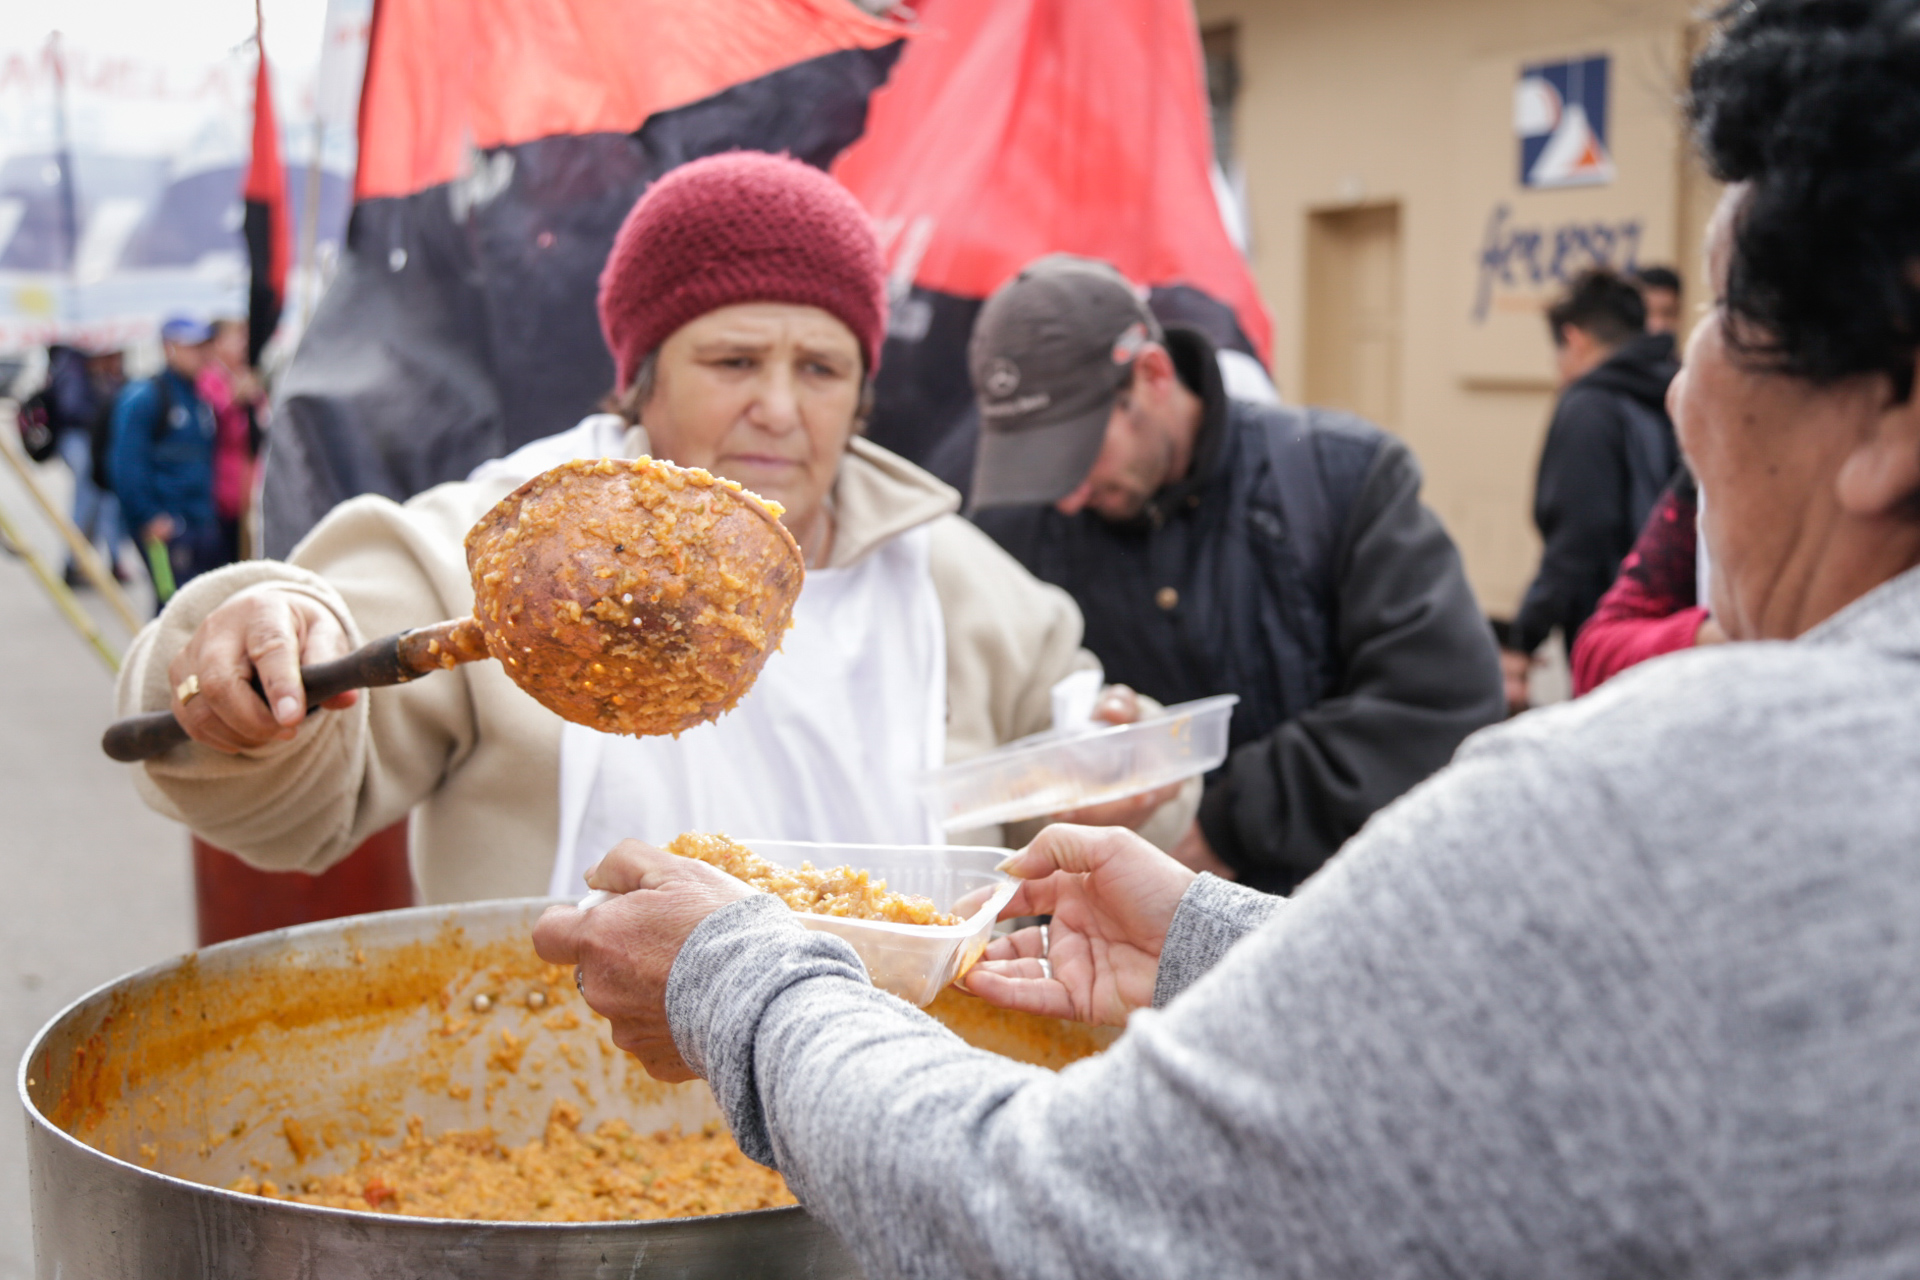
(1609,454)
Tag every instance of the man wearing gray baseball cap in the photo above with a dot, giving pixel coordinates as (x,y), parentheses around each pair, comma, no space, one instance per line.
(1220,546)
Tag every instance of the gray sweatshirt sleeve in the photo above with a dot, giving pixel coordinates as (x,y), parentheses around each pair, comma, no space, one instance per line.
(1213,915)
(1442,1057)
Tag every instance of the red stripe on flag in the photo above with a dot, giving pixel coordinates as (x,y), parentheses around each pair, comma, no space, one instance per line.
(1017,128)
(443,75)
(266,176)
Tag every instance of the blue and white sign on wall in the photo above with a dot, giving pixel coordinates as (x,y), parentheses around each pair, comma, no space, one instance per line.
(1560,114)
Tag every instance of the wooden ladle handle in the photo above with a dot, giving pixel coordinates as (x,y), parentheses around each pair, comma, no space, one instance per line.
(392,660)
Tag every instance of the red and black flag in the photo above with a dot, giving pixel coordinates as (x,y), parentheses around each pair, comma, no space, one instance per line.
(1020,128)
(268,231)
(501,144)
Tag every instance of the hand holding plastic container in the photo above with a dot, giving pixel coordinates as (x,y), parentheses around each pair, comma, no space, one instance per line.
(1078,766)
(912,961)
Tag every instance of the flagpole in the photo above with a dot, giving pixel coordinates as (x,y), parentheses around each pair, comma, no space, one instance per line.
(310,222)
(63,160)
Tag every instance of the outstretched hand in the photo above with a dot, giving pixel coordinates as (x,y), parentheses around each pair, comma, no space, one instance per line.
(1112,897)
(625,947)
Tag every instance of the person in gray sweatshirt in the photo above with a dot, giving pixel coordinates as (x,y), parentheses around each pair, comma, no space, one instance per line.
(1626,990)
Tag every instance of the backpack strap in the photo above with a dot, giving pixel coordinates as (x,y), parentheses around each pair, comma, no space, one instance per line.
(163,421)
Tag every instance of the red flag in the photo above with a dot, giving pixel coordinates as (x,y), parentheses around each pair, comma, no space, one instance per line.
(1018,128)
(443,75)
(269,230)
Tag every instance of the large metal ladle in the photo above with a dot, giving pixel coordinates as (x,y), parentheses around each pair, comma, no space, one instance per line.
(632,597)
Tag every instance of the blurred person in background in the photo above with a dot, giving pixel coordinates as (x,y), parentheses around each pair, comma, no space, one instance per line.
(1610,453)
(163,442)
(1655,605)
(232,390)
(1624,991)
(81,389)
(1661,290)
(1215,546)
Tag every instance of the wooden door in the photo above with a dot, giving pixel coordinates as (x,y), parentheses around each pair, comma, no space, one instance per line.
(1354,311)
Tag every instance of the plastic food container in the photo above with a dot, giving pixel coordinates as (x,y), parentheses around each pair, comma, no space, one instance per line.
(913,961)
(1058,770)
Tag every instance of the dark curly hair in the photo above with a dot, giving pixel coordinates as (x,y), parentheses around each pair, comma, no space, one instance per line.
(1815,104)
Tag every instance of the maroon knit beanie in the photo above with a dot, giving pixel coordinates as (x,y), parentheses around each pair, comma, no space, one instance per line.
(740,227)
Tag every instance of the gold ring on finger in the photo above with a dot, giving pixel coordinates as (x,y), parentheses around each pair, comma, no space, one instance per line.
(188,690)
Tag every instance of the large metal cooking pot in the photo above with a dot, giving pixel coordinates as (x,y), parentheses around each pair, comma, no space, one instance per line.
(275,1056)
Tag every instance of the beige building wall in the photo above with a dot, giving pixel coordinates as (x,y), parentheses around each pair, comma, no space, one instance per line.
(1381,164)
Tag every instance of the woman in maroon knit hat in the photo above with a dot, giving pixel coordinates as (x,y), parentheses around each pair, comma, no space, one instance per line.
(744,303)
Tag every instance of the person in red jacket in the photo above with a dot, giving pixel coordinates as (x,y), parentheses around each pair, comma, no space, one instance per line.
(1653,606)
(232,389)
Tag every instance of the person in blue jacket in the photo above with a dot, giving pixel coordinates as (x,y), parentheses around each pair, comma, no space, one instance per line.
(162,458)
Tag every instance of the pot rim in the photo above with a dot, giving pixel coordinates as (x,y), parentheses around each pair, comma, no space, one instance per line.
(38,1119)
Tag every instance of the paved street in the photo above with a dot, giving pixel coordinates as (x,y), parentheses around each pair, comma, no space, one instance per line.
(96,885)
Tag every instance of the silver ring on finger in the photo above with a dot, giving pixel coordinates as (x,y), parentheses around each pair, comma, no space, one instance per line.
(1046,953)
(580,981)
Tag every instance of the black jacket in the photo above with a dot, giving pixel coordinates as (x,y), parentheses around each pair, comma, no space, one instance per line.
(1329,599)
(1610,453)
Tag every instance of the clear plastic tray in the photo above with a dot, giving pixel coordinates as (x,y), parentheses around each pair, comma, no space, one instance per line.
(1059,770)
(913,961)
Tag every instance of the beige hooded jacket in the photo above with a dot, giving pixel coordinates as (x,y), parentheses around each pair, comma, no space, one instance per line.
(475,760)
